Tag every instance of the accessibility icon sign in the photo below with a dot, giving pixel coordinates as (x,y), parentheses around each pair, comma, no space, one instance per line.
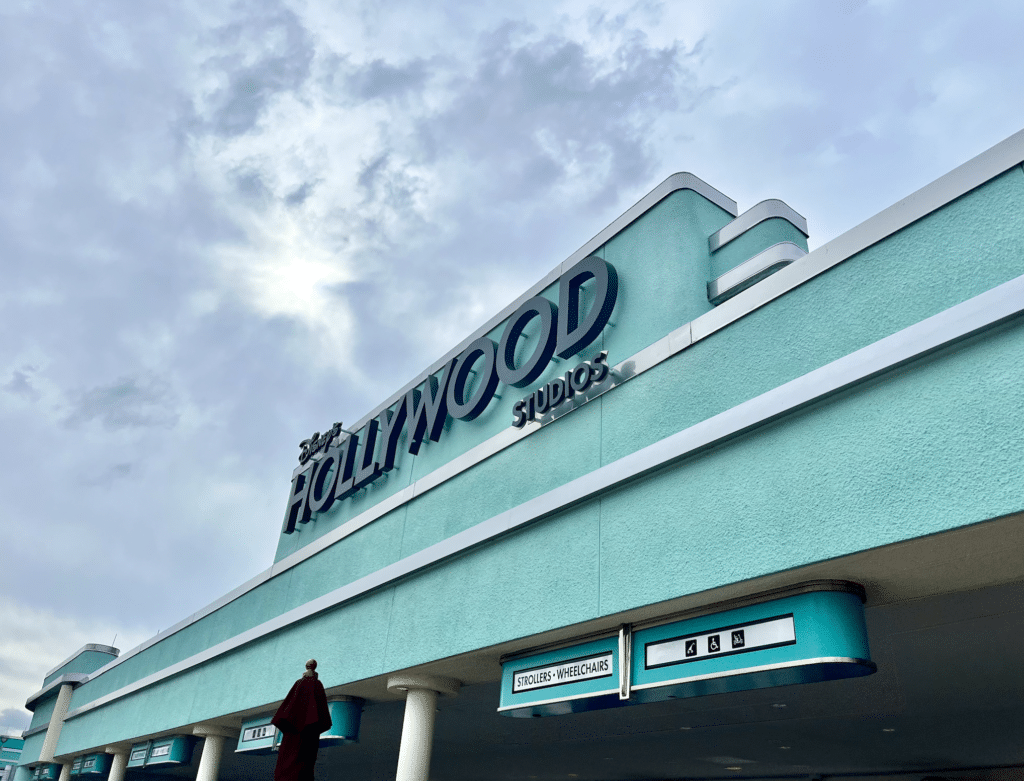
(723,641)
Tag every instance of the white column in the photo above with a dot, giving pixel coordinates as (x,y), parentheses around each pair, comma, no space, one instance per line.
(417,735)
(421,693)
(209,762)
(119,763)
(65,772)
(60,710)
(213,749)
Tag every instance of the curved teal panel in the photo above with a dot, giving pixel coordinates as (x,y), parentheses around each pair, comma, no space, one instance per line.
(806,638)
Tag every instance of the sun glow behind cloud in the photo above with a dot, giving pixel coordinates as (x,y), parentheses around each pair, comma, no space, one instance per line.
(283,271)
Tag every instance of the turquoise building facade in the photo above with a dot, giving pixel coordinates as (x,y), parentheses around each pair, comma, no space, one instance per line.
(10,754)
(725,439)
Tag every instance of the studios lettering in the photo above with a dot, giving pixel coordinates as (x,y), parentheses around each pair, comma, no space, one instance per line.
(561,389)
(463,390)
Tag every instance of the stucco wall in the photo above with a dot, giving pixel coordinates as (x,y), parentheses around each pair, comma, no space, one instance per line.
(85,662)
(931,447)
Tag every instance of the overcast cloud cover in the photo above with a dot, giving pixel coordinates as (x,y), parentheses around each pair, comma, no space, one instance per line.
(225,225)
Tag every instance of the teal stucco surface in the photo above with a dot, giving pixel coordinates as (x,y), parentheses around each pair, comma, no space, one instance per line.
(85,662)
(30,751)
(44,709)
(665,252)
(930,447)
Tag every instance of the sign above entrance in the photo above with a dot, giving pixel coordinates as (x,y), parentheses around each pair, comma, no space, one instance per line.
(258,736)
(169,751)
(573,671)
(816,633)
(91,765)
(721,641)
(815,636)
(569,680)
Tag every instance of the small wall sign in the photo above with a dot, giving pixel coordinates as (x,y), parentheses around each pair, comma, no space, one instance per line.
(568,680)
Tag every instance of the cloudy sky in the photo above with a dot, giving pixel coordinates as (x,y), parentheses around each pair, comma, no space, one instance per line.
(224,225)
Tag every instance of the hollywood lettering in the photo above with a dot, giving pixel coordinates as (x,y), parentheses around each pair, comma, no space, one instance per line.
(351,463)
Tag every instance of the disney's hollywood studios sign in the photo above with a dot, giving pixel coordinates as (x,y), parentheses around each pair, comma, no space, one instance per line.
(350,461)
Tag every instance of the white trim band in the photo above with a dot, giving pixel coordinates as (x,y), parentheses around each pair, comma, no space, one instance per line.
(757,669)
(942,330)
(765,210)
(750,272)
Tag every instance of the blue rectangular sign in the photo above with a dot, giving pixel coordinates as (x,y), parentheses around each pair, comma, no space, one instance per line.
(346,715)
(176,750)
(814,636)
(258,736)
(137,755)
(95,765)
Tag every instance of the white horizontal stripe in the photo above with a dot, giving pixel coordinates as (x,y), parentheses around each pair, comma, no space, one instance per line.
(943,329)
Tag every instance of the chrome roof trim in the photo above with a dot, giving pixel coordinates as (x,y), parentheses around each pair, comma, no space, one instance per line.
(759,212)
(750,272)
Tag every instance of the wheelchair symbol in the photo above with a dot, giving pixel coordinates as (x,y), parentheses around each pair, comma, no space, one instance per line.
(714,644)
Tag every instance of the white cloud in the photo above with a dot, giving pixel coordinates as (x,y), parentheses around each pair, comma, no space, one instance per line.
(253,221)
(35,640)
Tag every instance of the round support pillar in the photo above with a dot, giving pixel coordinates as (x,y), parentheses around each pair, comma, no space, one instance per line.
(421,692)
(65,772)
(213,750)
(60,710)
(209,762)
(119,763)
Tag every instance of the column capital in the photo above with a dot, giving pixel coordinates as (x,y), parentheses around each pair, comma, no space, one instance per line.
(404,681)
(119,748)
(214,731)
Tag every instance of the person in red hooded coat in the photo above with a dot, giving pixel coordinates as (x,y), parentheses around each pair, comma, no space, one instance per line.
(301,718)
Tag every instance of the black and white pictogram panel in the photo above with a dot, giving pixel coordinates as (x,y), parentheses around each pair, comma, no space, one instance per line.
(258,733)
(755,636)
